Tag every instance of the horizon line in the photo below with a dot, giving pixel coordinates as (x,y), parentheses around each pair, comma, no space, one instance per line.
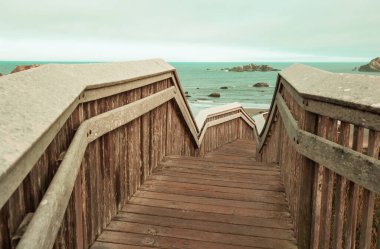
(195,61)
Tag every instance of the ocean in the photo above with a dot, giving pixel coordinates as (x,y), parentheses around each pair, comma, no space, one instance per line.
(199,79)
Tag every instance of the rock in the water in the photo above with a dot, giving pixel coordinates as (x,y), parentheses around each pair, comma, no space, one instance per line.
(1,74)
(214,95)
(224,87)
(187,96)
(372,66)
(186,92)
(251,68)
(261,84)
(236,69)
(197,88)
(24,67)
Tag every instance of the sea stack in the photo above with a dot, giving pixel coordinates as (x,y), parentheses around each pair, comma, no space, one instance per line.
(372,66)
(24,67)
(251,68)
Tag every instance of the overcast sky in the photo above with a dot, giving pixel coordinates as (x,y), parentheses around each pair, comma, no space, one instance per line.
(193,30)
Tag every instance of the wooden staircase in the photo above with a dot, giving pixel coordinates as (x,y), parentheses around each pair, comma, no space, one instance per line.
(225,200)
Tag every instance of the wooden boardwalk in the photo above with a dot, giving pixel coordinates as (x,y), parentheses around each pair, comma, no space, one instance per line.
(225,200)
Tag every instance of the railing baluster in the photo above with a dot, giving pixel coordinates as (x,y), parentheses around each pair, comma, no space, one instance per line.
(353,195)
(369,196)
(341,169)
(319,191)
(378,235)
(329,189)
(341,188)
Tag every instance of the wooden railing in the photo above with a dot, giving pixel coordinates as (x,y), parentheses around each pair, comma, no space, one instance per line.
(222,125)
(86,162)
(324,132)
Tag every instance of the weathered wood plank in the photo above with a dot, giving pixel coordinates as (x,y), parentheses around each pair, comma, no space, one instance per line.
(145,137)
(133,147)
(251,189)
(194,235)
(98,93)
(249,184)
(215,169)
(102,184)
(368,196)
(194,190)
(226,179)
(344,173)
(44,213)
(341,160)
(353,195)
(198,210)
(207,226)
(107,245)
(331,135)
(207,216)
(123,157)
(169,135)
(340,196)
(319,192)
(95,215)
(138,239)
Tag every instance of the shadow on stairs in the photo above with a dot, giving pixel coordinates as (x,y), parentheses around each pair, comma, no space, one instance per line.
(224,200)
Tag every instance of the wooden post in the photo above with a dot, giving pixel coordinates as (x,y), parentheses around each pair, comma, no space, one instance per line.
(369,196)
(341,188)
(306,186)
(353,195)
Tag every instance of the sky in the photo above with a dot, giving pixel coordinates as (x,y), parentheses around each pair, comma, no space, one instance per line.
(190,30)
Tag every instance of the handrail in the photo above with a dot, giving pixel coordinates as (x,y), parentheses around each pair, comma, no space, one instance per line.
(45,224)
(323,167)
(346,162)
(204,113)
(50,212)
(236,108)
(329,94)
(13,172)
(350,167)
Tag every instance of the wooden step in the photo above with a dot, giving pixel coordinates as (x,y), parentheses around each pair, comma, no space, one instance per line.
(224,200)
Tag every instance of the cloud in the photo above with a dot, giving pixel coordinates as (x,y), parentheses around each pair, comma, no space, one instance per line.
(230,30)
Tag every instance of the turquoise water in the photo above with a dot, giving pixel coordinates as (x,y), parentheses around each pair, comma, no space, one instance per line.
(195,75)
(200,82)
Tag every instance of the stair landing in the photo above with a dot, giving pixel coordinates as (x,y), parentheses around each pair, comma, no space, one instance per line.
(224,200)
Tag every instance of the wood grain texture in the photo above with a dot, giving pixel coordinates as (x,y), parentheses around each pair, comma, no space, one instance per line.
(340,196)
(368,206)
(102,166)
(118,159)
(173,214)
(344,208)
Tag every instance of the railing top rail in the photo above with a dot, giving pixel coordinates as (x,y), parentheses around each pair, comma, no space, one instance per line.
(36,103)
(345,97)
(33,101)
(205,113)
(352,90)
(231,108)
